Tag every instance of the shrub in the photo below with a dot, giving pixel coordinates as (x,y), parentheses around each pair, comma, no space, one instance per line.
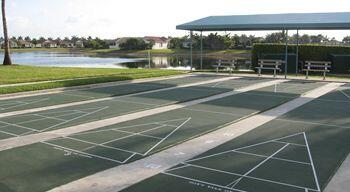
(306,52)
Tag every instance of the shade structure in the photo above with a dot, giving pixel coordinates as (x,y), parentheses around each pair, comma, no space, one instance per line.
(290,21)
(261,22)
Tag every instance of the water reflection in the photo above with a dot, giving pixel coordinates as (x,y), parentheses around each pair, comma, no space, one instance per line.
(184,63)
(56,59)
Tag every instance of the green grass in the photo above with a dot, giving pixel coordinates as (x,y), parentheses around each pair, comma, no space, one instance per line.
(69,76)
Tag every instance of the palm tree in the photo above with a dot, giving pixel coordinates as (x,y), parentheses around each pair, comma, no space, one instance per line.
(7,58)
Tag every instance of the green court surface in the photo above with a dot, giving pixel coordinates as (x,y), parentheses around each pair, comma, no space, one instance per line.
(49,164)
(95,93)
(298,152)
(69,116)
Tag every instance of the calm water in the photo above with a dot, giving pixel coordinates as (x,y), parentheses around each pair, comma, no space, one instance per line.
(55,59)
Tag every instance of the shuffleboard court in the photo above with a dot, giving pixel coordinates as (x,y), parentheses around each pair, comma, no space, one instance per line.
(43,166)
(69,116)
(298,152)
(30,102)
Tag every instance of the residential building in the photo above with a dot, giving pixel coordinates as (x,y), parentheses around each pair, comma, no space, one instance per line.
(49,44)
(159,42)
(24,44)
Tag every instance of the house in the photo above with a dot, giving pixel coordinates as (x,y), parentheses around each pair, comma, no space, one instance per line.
(38,45)
(49,44)
(118,42)
(24,44)
(79,44)
(66,44)
(111,43)
(159,42)
(13,44)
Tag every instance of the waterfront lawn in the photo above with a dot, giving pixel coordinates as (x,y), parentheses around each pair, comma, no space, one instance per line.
(68,76)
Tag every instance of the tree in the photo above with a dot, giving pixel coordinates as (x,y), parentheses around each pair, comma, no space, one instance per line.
(135,44)
(346,40)
(7,57)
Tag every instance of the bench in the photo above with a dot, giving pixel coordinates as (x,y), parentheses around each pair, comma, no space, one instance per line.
(269,64)
(317,66)
(225,64)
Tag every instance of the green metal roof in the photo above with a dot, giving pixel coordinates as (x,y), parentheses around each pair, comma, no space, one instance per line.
(305,21)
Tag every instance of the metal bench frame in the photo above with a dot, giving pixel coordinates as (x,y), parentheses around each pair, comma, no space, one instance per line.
(317,66)
(225,64)
(269,64)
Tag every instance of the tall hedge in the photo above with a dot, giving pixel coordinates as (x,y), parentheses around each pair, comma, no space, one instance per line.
(306,52)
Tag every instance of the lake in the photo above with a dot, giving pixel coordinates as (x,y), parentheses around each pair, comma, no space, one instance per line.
(59,59)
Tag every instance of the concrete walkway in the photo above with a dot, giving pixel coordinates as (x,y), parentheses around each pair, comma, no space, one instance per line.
(40,137)
(341,180)
(83,87)
(123,176)
(110,98)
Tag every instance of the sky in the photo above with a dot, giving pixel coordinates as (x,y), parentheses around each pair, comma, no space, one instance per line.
(126,18)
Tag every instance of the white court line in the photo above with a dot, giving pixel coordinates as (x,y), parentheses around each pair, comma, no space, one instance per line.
(134,102)
(133,153)
(8,133)
(253,145)
(299,145)
(208,111)
(332,100)
(24,103)
(167,136)
(276,158)
(69,120)
(129,126)
(140,133)
(16,125)
(216,84)
(251,177)
(77,95)
(88,154)
(54,118)
(346,95)
(33,120)
(312,163)
(196,180)
(127,136)
(100,145)
(312,123)
(257,166)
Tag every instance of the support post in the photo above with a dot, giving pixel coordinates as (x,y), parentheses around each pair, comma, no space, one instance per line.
(286,56)
(297,55)
(201,56)
(191,50)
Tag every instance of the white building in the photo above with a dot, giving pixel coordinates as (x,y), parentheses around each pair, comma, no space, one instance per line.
(159,42)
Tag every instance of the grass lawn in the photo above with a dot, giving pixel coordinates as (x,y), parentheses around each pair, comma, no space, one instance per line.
(70,76)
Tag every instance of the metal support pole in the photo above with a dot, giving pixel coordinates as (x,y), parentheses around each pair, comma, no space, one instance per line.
(191,50)
(286,57)
(201,57)
(149,59)
(297,55)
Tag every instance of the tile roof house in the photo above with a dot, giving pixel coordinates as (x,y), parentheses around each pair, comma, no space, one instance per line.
(159,42)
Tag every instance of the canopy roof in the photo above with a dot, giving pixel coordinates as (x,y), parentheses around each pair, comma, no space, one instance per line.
(291,21)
